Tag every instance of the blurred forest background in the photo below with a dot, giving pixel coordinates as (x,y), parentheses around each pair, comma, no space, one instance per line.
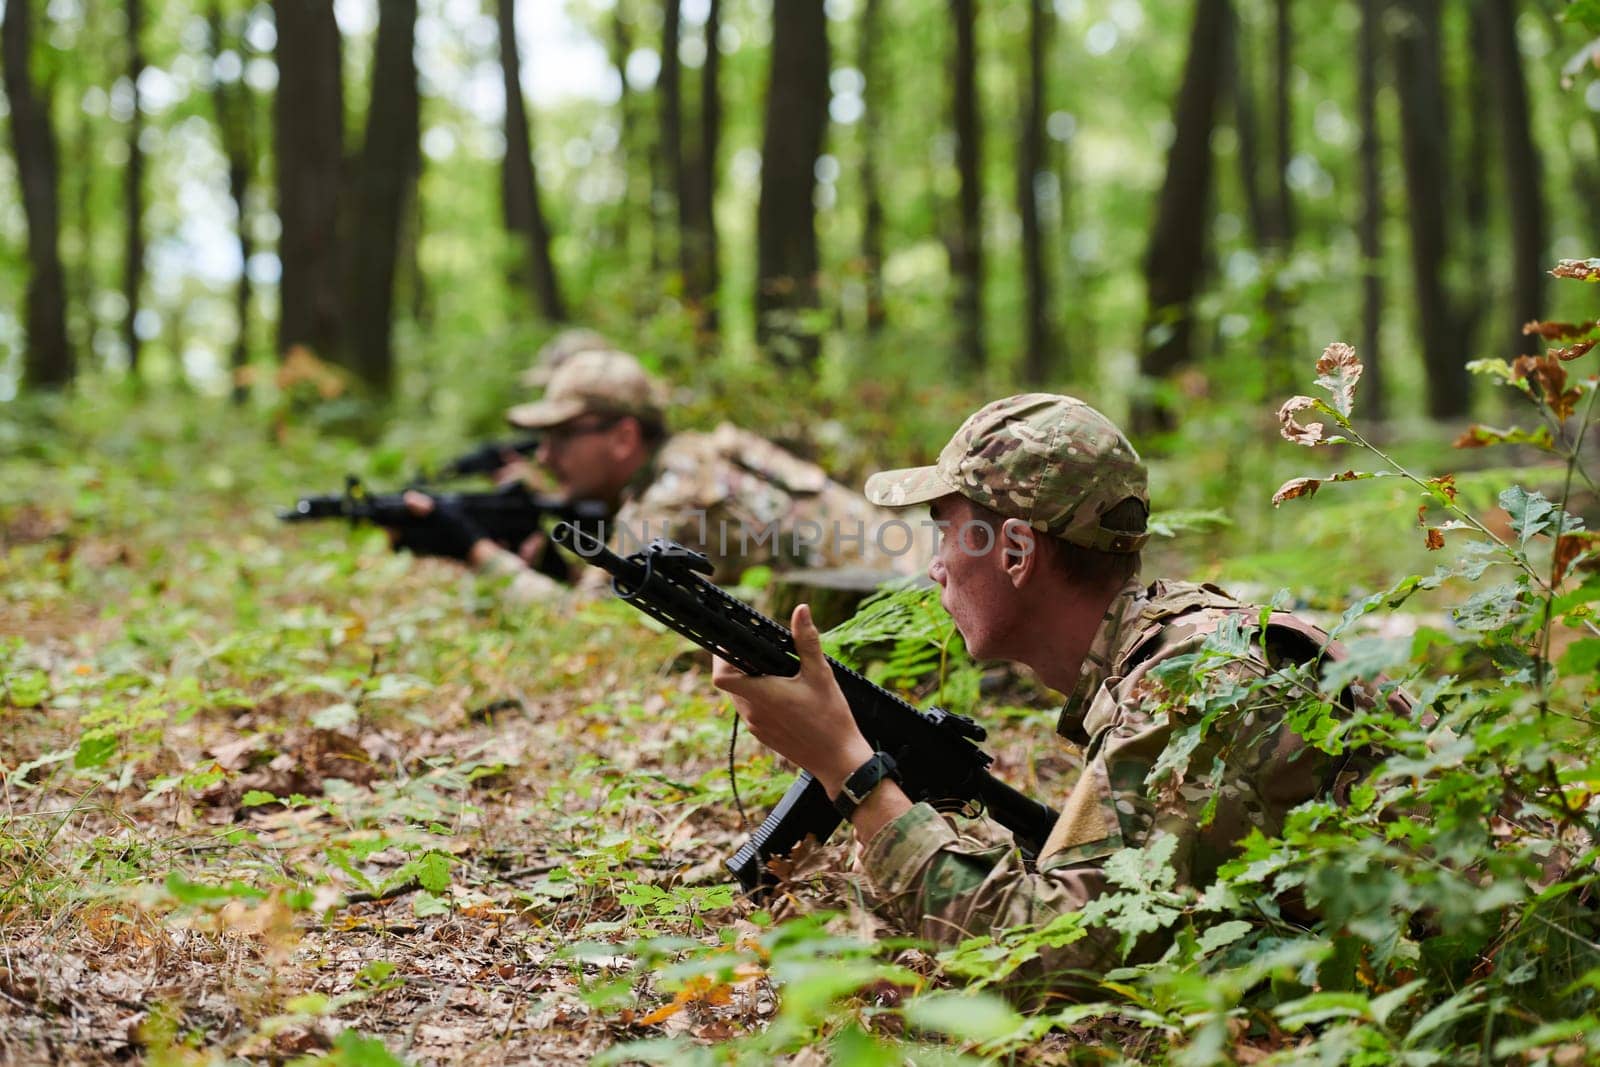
(1144,201)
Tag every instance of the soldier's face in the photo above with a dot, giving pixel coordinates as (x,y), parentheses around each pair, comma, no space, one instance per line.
(582,455)
(971,576)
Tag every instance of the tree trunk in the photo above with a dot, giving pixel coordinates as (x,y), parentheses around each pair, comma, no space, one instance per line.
(624,225)
(133,193)
(1371,225)
(1524,171)
(966,245)
(1283,116)
(872,208)
(1425,152)
(1237,57)
(388,161)
(48,359)
(1039,359)
(697,231)
(710,146)
(1175,258)
(519,181)
(232,103)
(669,108)
(786,234)
(308,119)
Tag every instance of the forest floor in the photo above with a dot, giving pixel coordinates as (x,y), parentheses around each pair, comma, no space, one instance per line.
(269,792)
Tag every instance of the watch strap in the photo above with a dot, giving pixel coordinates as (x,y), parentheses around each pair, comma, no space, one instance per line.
(862,781)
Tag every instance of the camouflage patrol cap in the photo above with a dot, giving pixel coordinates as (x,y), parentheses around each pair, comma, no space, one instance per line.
(1050,460)
(596,382)
(556,351)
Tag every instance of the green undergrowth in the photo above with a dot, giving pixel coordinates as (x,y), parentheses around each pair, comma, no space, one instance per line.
(277,793)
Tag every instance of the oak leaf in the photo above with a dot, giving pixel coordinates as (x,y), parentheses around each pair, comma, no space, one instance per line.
(1338,371)
(1583,270)
(1556,331)
(1296,487)
(1309,434)
(1435,539)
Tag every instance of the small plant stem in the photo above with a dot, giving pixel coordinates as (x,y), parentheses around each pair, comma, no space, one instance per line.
(1462,513)
(1540,666)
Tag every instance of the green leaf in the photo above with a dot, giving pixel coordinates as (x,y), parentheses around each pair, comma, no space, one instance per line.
(95,751)
(1530,513)
(1222,935)
(433,871)
(197,893)
(970,1017)
(254,798)
(1585,13)
(27,689)
(1581,658)
(425,904)
(334,716)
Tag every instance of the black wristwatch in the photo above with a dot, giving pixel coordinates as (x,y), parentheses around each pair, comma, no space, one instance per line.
(863,781)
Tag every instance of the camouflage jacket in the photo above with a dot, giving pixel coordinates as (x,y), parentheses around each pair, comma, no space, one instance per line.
(947,885)
(744,502)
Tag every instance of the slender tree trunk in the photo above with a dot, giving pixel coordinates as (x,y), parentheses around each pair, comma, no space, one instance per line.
(48,360)
(1175,259)
(710,147)
(966,246)
(1283,118)
(669,105)
(1524,170)
(1425,152)
(697,231)
(624,224)
(308,119)
(232,103)
(133,193)
(873,95)
(519,181)
(1247,125)
(786,234)
(1371,226)
(388,158)
(81,287)
(1039,359)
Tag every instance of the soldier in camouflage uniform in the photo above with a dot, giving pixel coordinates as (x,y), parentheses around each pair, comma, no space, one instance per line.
(731,494)
(1043,505)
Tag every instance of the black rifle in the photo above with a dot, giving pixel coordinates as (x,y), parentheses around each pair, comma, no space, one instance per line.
(485,459)
(508,515)
(935,750)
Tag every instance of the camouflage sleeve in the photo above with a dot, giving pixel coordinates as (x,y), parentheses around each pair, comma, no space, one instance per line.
(1207,793)
(947,886)
(519,584)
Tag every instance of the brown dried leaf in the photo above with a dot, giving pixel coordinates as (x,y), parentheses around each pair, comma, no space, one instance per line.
(1570,546)
(1446,484)
(1549,377)
(1435,539)
(1475,436)
(1296,487)
(1309,434)
(1338,371)
(1556,331)
(1572,352)
(1583,270)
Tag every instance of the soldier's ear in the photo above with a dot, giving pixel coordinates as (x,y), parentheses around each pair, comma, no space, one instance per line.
(1019,550)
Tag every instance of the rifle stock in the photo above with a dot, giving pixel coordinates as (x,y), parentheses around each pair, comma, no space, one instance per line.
(936,752)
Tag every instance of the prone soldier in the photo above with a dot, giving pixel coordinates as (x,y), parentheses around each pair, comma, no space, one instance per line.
(1043,507)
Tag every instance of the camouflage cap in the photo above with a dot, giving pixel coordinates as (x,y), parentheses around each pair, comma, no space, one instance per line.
(556,351)
(1050,460)
(596,382)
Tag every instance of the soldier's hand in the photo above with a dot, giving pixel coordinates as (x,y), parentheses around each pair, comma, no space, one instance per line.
(805,719)
(446,530)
